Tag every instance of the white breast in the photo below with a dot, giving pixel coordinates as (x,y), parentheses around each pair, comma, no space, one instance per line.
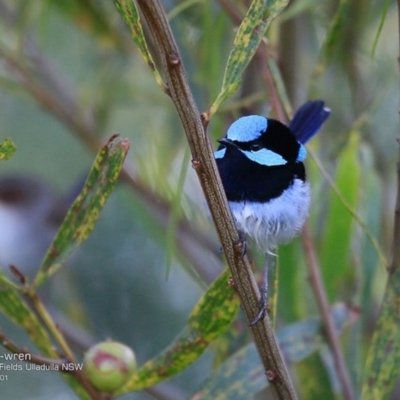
(276,221)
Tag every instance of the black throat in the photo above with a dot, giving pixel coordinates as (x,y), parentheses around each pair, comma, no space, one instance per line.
(246,180)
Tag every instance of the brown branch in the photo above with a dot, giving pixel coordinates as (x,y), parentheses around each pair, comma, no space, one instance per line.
(204,163)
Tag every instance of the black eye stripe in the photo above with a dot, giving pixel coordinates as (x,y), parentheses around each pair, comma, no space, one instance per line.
(254,145)
(278,138)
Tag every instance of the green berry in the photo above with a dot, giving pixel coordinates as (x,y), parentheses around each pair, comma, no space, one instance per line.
(109,365)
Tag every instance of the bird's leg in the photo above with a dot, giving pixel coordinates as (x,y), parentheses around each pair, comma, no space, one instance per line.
(263,302)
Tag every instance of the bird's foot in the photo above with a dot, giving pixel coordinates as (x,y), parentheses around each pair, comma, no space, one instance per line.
(241,245)
(263,306)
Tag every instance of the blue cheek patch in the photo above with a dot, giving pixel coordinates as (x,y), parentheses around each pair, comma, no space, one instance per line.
(248,128)
(302,153)
(265,157)
(220,153)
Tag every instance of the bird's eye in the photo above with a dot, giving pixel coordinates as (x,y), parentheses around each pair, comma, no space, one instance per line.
(255,147)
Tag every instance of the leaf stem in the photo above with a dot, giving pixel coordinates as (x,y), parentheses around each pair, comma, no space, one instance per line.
(50,325)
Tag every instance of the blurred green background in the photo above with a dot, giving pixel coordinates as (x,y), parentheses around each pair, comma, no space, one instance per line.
(132,280)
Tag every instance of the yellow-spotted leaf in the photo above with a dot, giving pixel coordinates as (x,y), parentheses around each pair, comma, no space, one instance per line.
(208,320)
(86,209)
(250,33)
(242,375)
(130,14)
(383,360)
(7,149)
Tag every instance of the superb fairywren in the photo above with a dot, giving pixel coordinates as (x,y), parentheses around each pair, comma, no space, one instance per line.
(260,161)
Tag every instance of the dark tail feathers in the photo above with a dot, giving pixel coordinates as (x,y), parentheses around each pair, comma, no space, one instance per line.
(308,120)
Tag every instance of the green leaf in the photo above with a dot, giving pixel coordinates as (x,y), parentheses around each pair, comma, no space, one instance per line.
(380,27)
(273,285)
(7,149)
(383,360)
(292,302)
(335,31)
(208,320)
(313,376)
(250,33)
(129,13)
(83,214)
(349,207)
(242,375)
(335,248)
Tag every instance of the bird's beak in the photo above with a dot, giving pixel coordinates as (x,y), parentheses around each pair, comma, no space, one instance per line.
(227,143)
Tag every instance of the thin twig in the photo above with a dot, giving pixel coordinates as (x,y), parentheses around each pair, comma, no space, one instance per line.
(266,75)
(29,356)
(395,264)
(204,163)
(57,364)
(41,310)
(326,314)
